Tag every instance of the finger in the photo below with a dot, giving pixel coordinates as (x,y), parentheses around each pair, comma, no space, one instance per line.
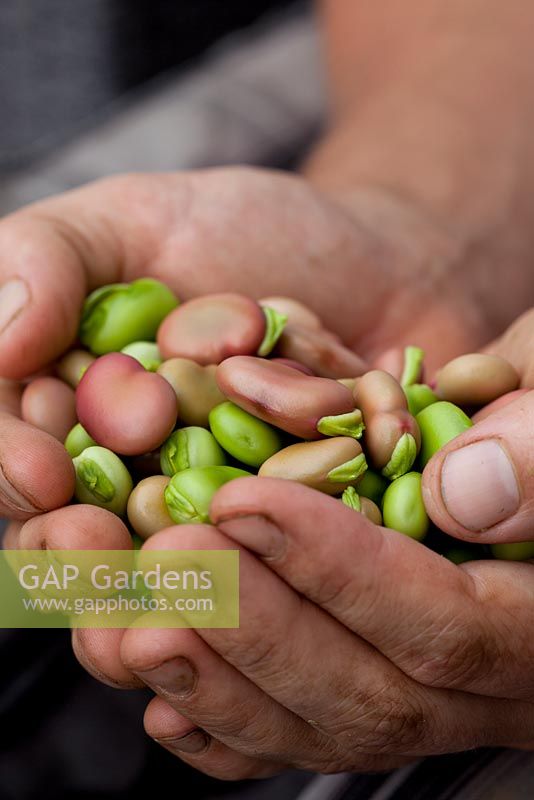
(192,678)
(36,472)
(435,621)
(516,346)
(197,748)
(314,666)
(98,652)
(11,536)
(496,405)
(480,487)
(179,228)
(79,527)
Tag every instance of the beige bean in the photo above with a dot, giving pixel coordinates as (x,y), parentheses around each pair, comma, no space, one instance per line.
(50,405)
(311,463)
(195,387)
(319,351)
(371,511)
(476,379)
(71,367)
(378,391)
(295,311)
(349,383)
(147,510)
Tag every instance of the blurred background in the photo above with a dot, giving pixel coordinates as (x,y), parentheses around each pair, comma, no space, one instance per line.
(88,89)
(103,86)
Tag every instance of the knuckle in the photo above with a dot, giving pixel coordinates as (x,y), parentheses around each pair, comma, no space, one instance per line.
(388,721)
(456,657)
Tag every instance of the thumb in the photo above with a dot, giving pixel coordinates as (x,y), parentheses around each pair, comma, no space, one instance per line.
(480,487)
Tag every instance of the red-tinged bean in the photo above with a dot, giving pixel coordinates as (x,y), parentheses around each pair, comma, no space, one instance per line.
(328,465)
(125,408)
(50,405)
(498,404)
(392,436)
(378,391)
(476,379)
(211,328)
(325,356)
(296,312)
(288,362)
(282,396)
(71,367)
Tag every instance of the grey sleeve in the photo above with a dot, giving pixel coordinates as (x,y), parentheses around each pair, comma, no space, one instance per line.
(256,98)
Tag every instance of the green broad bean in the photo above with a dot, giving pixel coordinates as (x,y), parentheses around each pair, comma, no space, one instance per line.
(147,353)
(121,313)
(77,441)
(189,493)
(373,485)
(513,551)
(247,438)
(419,396)
(403,508)
(439,423)
(275,322)
(102,480)
(413,365)
(190,447)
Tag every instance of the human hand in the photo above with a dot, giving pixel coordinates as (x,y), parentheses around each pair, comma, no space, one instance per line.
(234,229)
(358,648)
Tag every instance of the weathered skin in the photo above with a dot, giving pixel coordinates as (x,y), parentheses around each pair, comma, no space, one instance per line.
(282,396)
(50,405)
(147,511)
(124,407)
(211,328)
(320,352)
(310,462)
(501,402)
(384,430)
(71,367)
(476,379)
(296,312)
(195,387)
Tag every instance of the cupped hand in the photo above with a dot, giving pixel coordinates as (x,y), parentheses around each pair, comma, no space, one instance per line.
(358,648)
(257,232)
(480,487)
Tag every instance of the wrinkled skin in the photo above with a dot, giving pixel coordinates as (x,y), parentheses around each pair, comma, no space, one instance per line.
(420,237)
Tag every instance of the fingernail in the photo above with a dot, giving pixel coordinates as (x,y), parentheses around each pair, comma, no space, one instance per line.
(479,485)
(177,677)
(12,498)
(194,742)
(256,533)
(14,296)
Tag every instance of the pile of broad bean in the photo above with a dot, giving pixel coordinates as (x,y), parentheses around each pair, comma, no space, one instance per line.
(162,403)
